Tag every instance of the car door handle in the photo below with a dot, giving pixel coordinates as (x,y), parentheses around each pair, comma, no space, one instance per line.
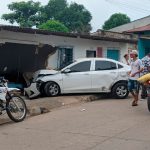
(86,74)
(112,72)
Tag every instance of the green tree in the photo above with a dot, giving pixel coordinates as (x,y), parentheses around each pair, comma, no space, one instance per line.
(26,14)
(115,20)
(76,18)
(53,25)
(54,9)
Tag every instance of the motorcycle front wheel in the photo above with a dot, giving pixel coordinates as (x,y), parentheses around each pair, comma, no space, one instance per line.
(16,108)
(148,103)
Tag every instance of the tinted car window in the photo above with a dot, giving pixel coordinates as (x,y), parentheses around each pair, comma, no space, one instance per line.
(81,67)
(120,66)
(104,65)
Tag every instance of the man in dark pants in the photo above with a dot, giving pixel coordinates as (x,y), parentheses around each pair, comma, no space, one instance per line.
(146,64)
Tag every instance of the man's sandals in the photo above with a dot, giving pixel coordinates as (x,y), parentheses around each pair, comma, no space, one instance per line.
(134,103)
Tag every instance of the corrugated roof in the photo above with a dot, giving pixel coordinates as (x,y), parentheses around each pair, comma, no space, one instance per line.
(140,29)
(73,35)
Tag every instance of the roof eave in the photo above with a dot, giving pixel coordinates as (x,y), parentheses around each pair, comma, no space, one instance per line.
(72,35)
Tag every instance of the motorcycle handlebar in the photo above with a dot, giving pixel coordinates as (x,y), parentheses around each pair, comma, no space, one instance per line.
(2,79)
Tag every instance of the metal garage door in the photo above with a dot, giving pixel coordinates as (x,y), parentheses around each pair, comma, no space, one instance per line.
(113,54)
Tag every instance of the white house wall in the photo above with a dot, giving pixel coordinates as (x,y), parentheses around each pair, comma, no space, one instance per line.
(17,37)
(79,45)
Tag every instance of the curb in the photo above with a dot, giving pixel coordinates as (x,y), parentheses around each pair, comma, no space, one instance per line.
(36,110)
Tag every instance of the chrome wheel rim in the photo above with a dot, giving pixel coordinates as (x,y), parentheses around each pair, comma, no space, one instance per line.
(121,91)
(54,89)
(17,108)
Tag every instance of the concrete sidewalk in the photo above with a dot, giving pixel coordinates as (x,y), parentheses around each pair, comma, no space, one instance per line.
(46,104)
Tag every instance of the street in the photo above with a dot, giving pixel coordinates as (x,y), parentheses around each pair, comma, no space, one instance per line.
(107,124)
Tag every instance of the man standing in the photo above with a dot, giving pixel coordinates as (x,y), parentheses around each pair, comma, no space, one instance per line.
(146,63)
(136,68)
(126,59)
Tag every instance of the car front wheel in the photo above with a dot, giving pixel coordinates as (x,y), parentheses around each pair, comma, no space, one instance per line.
(51,89)
(120,90)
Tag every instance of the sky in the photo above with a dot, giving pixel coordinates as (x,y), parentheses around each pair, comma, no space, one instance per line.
(101,10)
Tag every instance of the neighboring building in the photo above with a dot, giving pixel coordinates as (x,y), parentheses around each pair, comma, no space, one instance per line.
(25,50)
(140,27)
(132,25)
(144,39)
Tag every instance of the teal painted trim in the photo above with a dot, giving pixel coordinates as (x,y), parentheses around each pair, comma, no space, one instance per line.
(141,49)
(147,33)
(113,54)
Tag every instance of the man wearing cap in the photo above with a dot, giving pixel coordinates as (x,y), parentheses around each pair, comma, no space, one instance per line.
(136,69)
(146,63)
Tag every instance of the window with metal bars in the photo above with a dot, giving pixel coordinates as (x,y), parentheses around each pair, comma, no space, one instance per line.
(65,57)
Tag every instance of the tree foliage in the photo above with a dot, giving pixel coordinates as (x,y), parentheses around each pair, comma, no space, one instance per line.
(55,8)
(76,18)
(28,14)
(54,26)
(115,20)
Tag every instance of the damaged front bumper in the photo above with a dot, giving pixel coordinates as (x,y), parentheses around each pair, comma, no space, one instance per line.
(32,91)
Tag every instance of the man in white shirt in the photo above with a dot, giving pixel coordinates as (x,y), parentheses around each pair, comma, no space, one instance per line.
(136,69)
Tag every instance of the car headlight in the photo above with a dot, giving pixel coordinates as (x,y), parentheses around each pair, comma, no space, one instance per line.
(38,84)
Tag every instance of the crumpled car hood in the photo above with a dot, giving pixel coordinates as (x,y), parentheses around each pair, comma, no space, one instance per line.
(43,72)
(47,71)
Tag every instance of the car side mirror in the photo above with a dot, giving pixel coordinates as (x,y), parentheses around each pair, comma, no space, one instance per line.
(66,70)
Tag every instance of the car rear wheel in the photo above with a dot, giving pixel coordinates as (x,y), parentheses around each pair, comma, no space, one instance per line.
(51,89)
(120,90)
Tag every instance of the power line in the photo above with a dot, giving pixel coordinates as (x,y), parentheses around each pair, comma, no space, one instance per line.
(128,6)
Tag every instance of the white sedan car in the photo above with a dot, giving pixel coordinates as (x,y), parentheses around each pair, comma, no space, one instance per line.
(88,75)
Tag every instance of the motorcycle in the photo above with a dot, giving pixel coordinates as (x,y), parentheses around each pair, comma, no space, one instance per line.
(147,84)
(11,103)
(145,81)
